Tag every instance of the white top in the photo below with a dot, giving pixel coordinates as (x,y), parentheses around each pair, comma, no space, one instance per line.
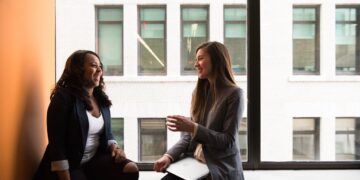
(96,126)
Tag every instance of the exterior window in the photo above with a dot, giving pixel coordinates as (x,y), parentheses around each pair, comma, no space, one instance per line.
(152,138)
(235,36)
(305,40)
(110,39)
(152,40)
(243,139)
(195,20)
(117,127)
(306,139)
(347,139)
(347,40)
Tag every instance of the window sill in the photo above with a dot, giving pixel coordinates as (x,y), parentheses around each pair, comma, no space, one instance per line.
(137,79)
(316,78)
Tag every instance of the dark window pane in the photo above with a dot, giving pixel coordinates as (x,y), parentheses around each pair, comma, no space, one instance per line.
(305,139)
(117,127)
(152,41)
(152,139)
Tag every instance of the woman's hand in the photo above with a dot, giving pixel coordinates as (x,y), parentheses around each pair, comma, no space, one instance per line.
(117,153)
(161,164)
(180,123)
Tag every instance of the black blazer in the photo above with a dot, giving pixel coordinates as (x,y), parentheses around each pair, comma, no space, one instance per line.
(68,126)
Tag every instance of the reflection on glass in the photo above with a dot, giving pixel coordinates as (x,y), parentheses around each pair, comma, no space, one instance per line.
(305,40)
(152,138)
(110,43)
(194,32)
(347,40)
(347,139)
(306,139)
(152,40)
(235,36)
(117,127)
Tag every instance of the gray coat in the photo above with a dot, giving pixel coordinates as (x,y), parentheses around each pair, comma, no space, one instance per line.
(218,134)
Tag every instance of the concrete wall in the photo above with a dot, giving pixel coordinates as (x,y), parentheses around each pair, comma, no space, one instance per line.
(27,74)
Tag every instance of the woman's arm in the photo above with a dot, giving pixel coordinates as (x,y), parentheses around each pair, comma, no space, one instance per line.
(57,117)
(225,138)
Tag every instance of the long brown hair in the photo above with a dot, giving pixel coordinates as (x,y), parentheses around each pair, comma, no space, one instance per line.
(221,75)
(72,80)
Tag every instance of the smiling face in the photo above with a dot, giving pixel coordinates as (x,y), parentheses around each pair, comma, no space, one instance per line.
(203,64)
(92,71)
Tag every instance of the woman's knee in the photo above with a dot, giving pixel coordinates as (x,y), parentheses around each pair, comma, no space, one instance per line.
(130,168)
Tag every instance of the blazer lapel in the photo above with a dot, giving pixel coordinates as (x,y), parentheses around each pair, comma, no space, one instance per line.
(83,120)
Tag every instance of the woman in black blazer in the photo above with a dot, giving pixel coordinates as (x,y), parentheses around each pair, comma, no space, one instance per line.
(81,145)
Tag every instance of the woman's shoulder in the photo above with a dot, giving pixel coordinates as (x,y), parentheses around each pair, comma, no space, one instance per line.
(233,91)
(62,94)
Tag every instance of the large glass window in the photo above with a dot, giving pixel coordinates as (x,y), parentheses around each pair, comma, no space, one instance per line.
(305,40)
(152,40)
(195,22)
(243,138)
(347,139)
(110,39)
(117,127)
(306,139)
(347,40)
(152,138)
(235,36)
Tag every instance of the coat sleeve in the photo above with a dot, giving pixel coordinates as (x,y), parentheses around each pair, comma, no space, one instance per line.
(226,138)
(58,115)
(180,147)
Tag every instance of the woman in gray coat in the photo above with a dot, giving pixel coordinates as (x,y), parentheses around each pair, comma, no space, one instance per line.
(211,134)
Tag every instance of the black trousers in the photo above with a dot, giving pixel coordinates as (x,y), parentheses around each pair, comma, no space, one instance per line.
(100,167)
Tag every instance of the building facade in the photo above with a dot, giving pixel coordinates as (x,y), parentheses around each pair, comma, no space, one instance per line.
(310,69)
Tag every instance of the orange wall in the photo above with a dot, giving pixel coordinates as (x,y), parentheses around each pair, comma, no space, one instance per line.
(27,74)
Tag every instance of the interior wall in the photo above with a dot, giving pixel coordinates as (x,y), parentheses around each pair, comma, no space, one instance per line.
(27,75)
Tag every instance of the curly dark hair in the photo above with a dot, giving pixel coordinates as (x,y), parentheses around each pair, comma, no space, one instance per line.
(72,82)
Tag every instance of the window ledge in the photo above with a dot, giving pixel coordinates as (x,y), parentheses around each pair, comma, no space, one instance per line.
(314,78)
(190,78)
(279,175)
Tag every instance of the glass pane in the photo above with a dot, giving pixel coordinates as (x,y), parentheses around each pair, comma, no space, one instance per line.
(110,14)
(304,14)
(152,42)
(305,44)
(152,30)
(194,14)
(193,34)
(304,31)
(152,14)
(194,30)
(346,41)
(347,139)
(305,139)
(152,139)
(117,127)
(235,31)
(345,14)
(110,48)
(235,14)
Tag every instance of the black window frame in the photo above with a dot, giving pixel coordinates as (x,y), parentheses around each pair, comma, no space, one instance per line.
(139,7)
(97,25)
(357,51)
(317,39)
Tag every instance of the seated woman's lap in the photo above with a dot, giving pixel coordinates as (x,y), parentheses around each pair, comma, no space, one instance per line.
(103,166)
